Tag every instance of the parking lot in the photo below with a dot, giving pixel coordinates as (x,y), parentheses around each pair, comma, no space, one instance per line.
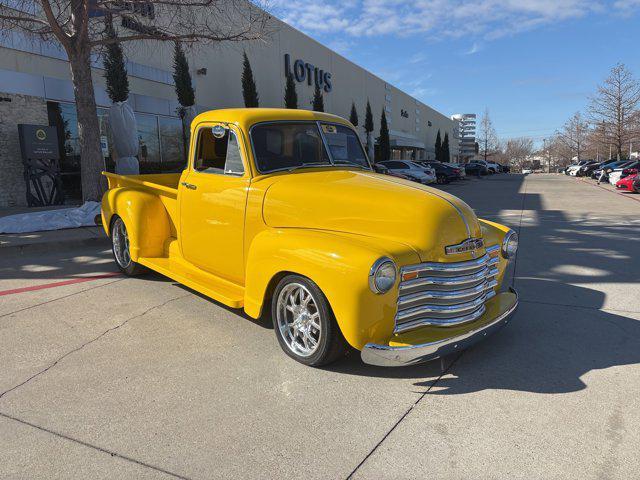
(117,377)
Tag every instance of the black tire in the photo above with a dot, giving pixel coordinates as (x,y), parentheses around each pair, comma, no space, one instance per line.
(124,262)
(330,345)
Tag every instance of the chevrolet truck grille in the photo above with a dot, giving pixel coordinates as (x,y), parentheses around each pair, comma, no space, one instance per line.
(446,294)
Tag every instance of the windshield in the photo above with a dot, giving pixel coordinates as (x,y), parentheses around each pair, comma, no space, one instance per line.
(344,145)
(292,145)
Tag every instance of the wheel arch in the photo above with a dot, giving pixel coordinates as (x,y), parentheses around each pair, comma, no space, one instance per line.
(141,212)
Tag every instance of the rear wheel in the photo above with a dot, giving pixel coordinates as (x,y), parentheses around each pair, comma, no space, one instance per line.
(304,324)
(121,249)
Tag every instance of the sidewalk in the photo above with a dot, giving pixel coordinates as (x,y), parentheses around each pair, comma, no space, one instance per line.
(34,242)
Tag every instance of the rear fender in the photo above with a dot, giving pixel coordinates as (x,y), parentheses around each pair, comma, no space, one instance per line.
(145,217)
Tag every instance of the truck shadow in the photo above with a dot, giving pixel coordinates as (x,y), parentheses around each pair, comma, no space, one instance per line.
(547,348)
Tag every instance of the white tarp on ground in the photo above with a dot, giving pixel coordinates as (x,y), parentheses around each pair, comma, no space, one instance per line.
(83,216)
(124,132)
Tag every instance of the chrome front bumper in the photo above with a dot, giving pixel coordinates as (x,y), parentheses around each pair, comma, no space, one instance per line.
(388,356)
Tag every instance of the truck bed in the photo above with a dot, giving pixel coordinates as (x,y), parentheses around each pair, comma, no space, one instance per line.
(164,184)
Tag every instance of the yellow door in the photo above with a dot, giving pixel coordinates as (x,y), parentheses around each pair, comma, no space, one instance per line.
(212,203)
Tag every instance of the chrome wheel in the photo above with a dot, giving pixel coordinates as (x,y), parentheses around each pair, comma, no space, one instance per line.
(298,319)
(120,240)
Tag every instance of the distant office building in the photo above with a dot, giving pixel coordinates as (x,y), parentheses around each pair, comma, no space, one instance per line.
(466,135)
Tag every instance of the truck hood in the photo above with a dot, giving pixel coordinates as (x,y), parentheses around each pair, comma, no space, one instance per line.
(371,204)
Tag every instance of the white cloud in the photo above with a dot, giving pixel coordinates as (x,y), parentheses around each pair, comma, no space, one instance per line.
(475,48)
(483,19)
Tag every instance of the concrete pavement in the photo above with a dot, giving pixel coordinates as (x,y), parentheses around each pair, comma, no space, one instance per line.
(141,378)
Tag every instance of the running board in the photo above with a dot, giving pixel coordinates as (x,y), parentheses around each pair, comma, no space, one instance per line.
(206,283)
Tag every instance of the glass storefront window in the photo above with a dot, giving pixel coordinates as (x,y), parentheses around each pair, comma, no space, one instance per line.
(149,156)
(173,159)
(161,149)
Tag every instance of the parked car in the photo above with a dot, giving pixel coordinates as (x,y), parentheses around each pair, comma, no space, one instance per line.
(505,168)
(444,173)
(573,169)
(582,169)
(460,167)
(588,169)
(630,168)
(412,170)
(610,167)
(476,169)
(626,184)
(526,171)
(493,167)
(636,184)
(385,171)
(280,209)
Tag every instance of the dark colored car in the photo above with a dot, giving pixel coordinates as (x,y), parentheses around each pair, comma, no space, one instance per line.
(444,173)
(505,168)
(476,169)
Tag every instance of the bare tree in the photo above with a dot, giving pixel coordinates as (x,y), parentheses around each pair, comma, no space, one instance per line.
(574,135)
(79,27)
(615,105)
(487,138)
(557,152)
(517,151)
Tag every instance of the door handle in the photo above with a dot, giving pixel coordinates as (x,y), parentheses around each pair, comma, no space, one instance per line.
(190,186)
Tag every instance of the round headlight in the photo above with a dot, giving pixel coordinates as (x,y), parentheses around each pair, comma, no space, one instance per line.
(382,276)
(510,244)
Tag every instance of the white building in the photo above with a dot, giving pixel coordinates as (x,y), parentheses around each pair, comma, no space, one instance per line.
(466,135)
(35,88)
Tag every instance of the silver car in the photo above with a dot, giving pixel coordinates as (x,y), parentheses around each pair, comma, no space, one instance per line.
(424,175)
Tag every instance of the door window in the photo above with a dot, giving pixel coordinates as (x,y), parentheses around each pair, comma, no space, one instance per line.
(218,154)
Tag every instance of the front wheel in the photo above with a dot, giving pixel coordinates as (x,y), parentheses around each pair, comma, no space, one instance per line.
(121,250)
(304,324)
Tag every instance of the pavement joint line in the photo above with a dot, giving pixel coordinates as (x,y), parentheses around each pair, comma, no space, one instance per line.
(89,342)
(409,410)
(94,447)
(61,298)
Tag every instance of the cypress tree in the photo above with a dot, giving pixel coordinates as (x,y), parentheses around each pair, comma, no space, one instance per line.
(249,90)
(184,91)
(384,144)
(290,94)
(115,71)
(368,119)
(438,147)
(182,78)
(446,156)
(353,117)
(318,101)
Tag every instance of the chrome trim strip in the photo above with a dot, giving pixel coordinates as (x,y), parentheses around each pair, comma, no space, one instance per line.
(464,219)
(441,322)
(446,295)
(459,280)
(387,356)
(457,308)
(492,248)
(453,266)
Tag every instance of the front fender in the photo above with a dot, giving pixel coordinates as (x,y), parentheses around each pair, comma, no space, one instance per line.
(141,212)
(339,264)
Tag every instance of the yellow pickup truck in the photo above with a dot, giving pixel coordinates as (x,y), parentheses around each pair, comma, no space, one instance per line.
(280,211)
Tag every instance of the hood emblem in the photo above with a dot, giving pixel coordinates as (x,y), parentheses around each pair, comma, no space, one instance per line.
(469,245)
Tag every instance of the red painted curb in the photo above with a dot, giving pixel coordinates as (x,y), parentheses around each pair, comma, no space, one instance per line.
(59,284)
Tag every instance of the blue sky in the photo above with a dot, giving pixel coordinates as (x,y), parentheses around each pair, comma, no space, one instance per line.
(532,63)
